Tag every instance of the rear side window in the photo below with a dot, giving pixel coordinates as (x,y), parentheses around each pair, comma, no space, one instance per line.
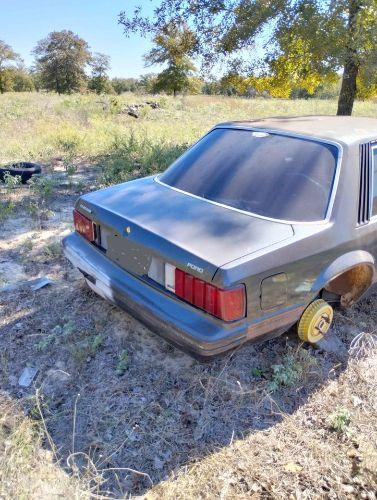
(271,175)
(374,167)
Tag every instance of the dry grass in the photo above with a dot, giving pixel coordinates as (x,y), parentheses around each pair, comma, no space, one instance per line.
(305,456)
(41,127)
(26,470)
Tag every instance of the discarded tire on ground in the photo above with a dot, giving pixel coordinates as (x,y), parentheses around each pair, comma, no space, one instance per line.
(24,169)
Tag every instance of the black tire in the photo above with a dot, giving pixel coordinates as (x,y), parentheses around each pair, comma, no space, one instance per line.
(24,169)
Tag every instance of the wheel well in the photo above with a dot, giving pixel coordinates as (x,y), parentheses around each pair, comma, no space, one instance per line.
(351,284)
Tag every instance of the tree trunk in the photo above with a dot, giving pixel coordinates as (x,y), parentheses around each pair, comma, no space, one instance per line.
(351,66)
(348,90)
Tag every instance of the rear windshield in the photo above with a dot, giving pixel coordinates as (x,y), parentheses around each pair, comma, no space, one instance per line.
(272,175)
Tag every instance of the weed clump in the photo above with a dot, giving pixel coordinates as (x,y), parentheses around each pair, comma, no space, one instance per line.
(340,420)
(7,204)
(293,368)
(122,364)
(131,157)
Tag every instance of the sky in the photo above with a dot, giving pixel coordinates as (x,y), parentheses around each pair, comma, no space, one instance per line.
(24,22)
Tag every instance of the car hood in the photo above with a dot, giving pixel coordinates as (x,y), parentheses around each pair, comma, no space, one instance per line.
(181,227)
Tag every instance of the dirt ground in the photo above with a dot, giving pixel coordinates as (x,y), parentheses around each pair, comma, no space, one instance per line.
(118,401)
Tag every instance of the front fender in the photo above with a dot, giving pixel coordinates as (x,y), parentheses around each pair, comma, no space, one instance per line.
(342,264)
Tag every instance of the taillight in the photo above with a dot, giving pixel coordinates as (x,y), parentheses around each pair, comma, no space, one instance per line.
(84,226)
(228,304)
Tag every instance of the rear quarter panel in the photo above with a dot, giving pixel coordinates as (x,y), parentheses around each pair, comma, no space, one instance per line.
(306,257)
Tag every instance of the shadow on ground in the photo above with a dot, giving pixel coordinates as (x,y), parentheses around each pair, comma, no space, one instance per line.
(139,403)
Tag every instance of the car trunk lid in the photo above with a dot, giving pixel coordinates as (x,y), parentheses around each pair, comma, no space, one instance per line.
(143,219)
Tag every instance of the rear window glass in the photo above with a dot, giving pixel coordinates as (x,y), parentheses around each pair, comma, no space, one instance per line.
(272,175)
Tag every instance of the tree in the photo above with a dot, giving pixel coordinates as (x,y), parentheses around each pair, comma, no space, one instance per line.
(22,80)
(7,55)
(147,83)
(121,85)
(173,45)
(36,78)
(309,39)
(100,64)
(61,59)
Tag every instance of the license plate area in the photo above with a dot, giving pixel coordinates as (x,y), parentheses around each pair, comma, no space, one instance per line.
(104,233)
(130,255)
(162,273)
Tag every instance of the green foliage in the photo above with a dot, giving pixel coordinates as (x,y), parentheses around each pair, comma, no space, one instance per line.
(100,83)
(147,82)
(42,187)
(7,55)
(52,338)
(61,59)
(131,156)
(22,80)
(121,85)
(7,205)
(68,143)
(71,169)
(45,343)
(174,43)
(97,342)
(69,328)
(173,79)
(312,40)
(6,208)
(52,250)
(42,190)
(100,64)
(12,181)
(85,346)
(122,364)
(6,80)
(211,88)
(257,372)
(340,420)
(291,370)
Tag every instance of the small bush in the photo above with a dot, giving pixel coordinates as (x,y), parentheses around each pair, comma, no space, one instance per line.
(11,181)
(132,157)
(42,187)
(292,369)
(340,420)
(6,208)
(45,343)
(122,363)
(52,250)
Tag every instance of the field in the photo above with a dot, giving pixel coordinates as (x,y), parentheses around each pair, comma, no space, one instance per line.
(115,411)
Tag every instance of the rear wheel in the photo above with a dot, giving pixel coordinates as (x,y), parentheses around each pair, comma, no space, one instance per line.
(315,321)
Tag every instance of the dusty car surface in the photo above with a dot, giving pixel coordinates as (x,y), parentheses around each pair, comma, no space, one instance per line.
(258,226)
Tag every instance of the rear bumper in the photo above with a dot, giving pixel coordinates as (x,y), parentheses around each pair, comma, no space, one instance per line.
(179,323)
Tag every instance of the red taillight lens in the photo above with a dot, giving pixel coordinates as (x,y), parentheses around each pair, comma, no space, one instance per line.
(83,225)
(180,283)
(231,304)
(228,305)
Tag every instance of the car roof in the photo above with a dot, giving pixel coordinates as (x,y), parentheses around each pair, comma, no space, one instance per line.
(346,129)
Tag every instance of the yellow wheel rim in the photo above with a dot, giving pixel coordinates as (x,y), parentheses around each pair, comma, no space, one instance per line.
(315,321)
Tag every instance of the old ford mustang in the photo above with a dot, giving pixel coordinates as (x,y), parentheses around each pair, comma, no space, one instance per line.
(258,226)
